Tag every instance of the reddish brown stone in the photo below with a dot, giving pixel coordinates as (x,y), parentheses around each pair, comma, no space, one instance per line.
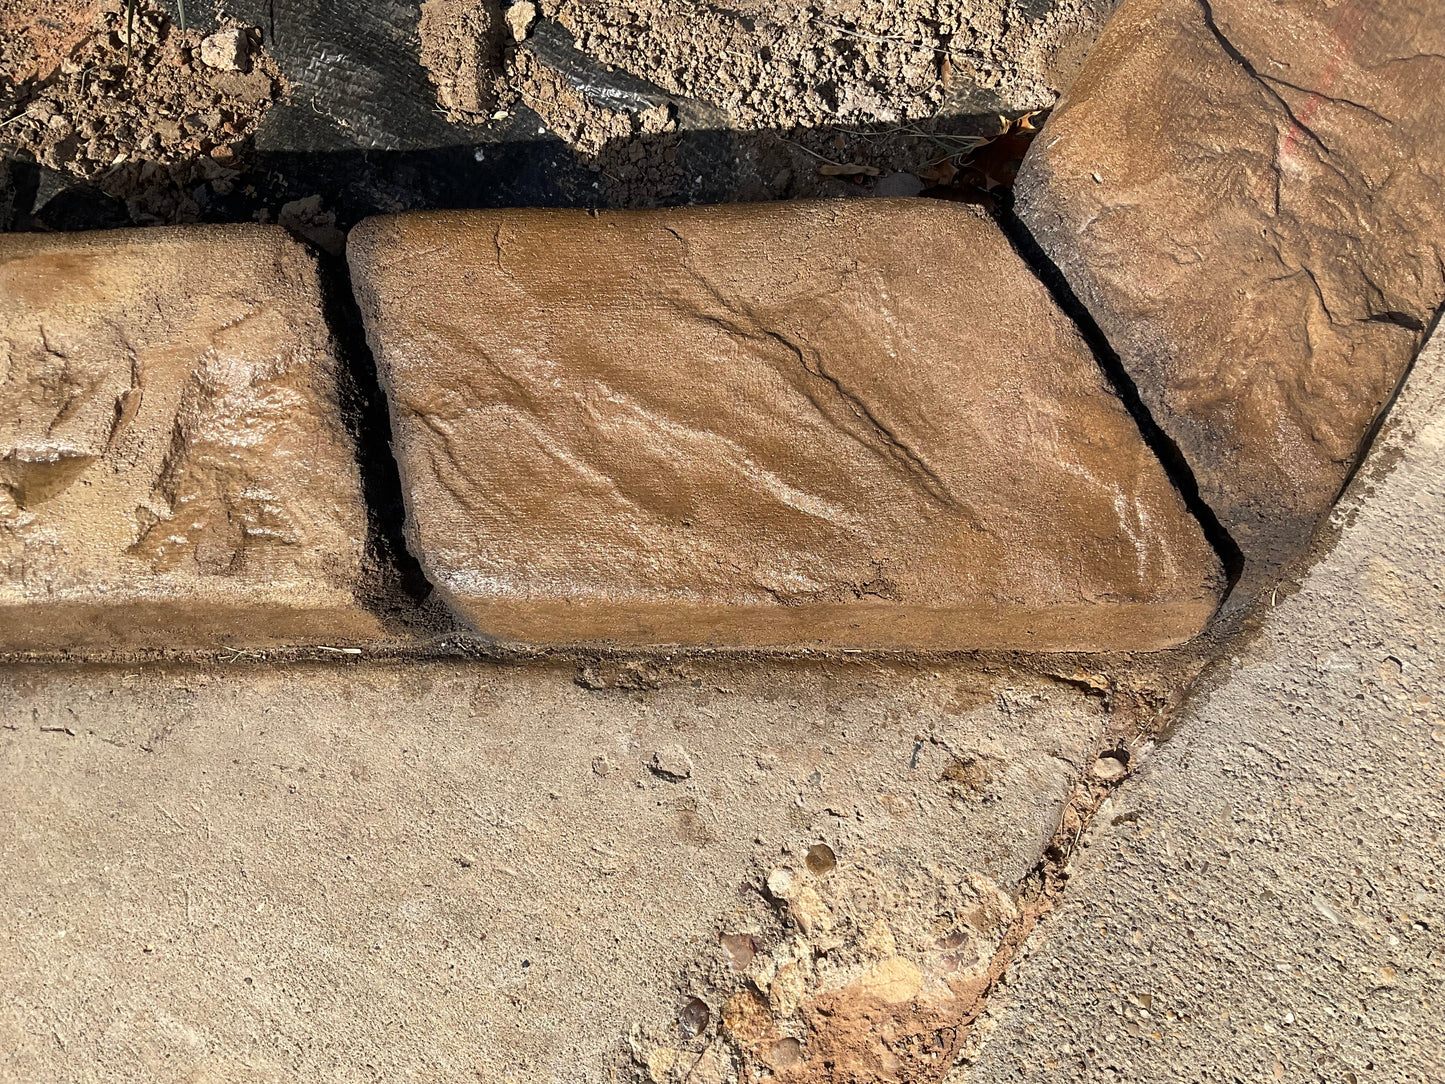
(843,424)
(1250,198)
(174,469)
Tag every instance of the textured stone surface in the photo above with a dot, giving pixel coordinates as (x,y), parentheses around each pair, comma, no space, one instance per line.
(459,872)
(825,423)
(1265,900)
(174,468)
(1250,198)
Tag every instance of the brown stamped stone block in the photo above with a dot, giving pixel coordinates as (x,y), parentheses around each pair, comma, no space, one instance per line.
(174,468)
(842,424)
(1250,198)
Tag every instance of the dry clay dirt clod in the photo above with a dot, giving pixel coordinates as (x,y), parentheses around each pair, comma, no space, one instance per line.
(227,51)
(520,17)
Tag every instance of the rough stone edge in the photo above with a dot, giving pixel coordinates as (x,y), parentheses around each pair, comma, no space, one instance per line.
(322,614)
(1056,261)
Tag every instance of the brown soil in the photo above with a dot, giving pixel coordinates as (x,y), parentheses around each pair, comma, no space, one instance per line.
(461,49)
(35,35)
(132,108)
(822,98)
(821,63)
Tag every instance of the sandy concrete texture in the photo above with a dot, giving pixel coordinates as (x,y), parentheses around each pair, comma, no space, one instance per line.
(771,425)
(1264,901)
(465,871)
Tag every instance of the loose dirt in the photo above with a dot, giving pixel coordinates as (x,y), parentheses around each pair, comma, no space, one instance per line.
(129,105)
(35,35)
(823,98)
(662,102)
(461,48)
(781,64)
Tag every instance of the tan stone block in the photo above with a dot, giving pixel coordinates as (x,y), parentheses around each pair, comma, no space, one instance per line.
(1250,199)
(836,423)
(174,467)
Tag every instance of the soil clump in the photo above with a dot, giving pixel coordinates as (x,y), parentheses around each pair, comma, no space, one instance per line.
(136,106)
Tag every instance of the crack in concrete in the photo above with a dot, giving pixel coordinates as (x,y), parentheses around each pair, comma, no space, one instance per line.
(742,323)
(1206,9)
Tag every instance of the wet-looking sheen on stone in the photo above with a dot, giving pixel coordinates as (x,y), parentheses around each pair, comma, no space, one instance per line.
(1250,199)
(833,424)
(174,469)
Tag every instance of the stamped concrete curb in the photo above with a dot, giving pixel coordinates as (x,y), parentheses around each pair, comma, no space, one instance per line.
(767,426)
(1244,203)
(174,469)
(1250,200)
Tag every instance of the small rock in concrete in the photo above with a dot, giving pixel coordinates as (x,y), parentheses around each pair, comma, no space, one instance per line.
(781,884)
(809,911)
(692,1020)
(227,51)
(1110,768)
(785,1052)
(520,18)
(671,763)
(821,860)
(739,948)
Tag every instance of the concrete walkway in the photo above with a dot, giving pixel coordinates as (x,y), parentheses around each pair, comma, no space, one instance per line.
(1263,900)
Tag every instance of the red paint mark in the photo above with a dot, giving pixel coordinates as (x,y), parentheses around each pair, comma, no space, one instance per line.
(1348,26)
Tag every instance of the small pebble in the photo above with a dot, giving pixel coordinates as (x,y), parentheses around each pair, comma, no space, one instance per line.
(227,51)
(693,1019)
(520,18)
(821,860)
(1109,769)
(780,884)
(671,763)
(739,949)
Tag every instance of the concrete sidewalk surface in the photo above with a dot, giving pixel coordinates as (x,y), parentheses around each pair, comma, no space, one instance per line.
(1265,899)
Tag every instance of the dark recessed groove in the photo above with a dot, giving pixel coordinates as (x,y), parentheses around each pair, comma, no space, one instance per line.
(1426,333)
(1176,466)
(364,408)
